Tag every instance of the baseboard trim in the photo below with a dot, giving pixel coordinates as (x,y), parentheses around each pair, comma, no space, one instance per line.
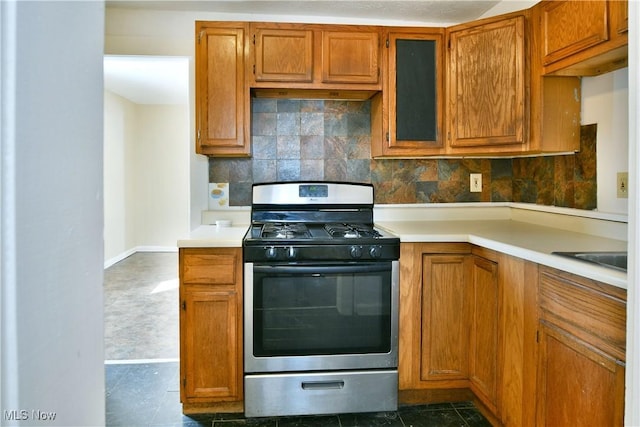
(116,259)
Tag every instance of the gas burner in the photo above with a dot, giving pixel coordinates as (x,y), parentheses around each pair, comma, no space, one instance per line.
(278,230)
(350,231)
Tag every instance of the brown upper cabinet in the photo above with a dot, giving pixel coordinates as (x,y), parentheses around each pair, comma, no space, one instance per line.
(283,55)
(582,37)
(303,56)
(222,101)
(506,85)
(412,101)
(486,87)
(351,57)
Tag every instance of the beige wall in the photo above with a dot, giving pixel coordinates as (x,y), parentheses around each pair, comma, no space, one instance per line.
(146,176)
(605,102)
(119,119)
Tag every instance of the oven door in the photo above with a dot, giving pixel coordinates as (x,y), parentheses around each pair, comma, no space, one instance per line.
(307,317)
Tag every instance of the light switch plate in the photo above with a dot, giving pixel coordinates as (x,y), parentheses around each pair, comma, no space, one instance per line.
(475,182)
(622,185)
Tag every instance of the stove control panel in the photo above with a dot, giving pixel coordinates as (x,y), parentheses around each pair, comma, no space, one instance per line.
(298,253)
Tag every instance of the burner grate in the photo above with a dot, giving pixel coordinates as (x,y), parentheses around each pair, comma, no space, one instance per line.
(278,230)
(350,231)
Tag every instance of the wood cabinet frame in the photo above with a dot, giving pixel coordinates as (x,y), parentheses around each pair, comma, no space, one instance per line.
(222,98)
(581,38)
(334,59)
(486,86)
(211,321)
(386,143)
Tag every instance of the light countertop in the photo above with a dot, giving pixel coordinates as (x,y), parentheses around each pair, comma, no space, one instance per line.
(520,239)
(524,240)
(212,236)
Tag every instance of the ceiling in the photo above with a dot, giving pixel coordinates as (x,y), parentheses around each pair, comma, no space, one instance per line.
(148,80)
(434,11)
(165,80)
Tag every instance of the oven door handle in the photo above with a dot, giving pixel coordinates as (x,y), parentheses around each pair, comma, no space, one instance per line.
(323,269)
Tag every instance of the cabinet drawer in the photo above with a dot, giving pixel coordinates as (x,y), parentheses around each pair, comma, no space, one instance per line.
(594,311)
(214,266)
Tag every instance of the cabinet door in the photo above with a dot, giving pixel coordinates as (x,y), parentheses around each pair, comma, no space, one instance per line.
(483,351)
(222,103)
(350,57)
(445,318)
(619,10)
(578,385)
(569,27)
(415,94)
(487,86)
(283,55)
(211,329)
(211,319)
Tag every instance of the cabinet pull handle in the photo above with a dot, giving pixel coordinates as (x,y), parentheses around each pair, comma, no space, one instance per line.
(322,385)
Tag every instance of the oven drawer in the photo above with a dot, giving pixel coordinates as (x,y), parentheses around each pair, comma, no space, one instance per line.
(320,393)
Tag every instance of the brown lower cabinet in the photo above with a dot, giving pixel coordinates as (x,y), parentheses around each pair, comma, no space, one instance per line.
(211,330)
(581,356)
(530,345)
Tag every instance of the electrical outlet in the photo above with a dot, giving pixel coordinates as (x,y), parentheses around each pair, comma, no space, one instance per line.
(475,182)
(623,185)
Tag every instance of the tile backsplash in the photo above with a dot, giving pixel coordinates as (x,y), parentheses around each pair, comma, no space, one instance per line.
(330,140)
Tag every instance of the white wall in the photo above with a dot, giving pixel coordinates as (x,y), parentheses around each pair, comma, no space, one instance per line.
(632,409)
(605,102)
(161,175)
(51,113)
(146,169)
(119,137)
(168,33)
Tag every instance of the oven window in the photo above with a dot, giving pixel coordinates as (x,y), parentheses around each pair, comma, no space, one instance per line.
(328,310)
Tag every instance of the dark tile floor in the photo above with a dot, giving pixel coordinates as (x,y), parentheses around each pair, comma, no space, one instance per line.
(142,372)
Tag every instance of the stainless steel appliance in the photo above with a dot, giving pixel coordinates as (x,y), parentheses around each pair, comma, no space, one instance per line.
(321,302)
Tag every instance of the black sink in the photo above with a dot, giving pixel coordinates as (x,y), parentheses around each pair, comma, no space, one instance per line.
(615,260)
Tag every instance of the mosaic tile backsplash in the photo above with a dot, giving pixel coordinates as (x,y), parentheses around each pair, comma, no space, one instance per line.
(330,140)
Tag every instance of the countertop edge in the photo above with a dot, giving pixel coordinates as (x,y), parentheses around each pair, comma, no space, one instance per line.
(478,233)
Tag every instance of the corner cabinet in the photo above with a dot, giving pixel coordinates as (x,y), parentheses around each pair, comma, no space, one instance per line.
(581,355)
(413,93)
(583,37)
(211,371)
(486,87)
(222,98)
(449,319)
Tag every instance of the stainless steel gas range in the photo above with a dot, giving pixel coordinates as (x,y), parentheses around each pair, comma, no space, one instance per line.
(321,302)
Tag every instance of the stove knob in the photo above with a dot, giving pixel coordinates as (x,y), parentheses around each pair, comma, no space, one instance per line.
(355,251)
(291,252)
(375,251)
(270,252)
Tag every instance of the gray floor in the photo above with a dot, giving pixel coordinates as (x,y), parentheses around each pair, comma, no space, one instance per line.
(141,307)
